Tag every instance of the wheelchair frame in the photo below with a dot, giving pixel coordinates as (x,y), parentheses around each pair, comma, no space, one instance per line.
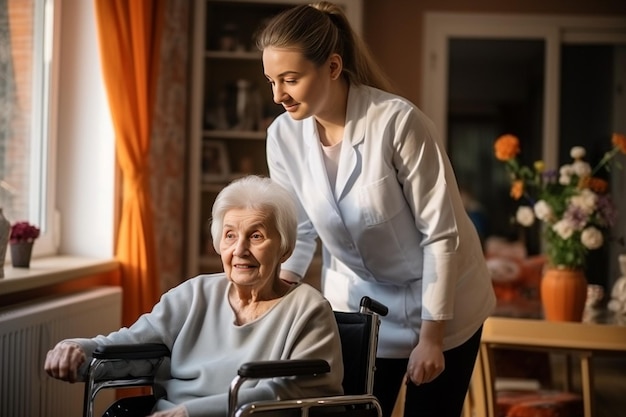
(153,354)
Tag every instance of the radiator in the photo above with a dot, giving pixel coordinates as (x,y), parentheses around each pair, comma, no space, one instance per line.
(29,330)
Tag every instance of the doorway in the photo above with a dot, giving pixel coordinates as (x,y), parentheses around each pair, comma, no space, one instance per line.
(553,82)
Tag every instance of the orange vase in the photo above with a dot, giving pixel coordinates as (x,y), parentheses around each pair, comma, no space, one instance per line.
(563,294)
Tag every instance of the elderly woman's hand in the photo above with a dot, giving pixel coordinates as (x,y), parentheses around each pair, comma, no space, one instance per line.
(63,361)
(179,411)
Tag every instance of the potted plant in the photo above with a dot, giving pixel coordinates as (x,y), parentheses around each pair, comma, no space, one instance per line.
(21,240)
(576,212)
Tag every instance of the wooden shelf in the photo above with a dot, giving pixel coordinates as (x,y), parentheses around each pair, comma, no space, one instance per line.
(241,55)
(216,68)
(210,264)
(234,134)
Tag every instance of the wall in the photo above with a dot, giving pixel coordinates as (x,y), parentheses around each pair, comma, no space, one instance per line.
(393,28)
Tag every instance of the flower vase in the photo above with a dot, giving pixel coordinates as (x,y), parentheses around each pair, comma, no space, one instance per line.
(563,294)
(21,253)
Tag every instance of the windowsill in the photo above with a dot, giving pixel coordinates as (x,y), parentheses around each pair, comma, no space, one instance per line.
(52,270)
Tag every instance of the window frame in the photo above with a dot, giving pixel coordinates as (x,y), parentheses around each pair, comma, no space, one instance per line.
(45,176)
(42,130)
(84,186)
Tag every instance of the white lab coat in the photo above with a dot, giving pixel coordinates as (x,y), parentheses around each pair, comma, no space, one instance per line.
(394,229)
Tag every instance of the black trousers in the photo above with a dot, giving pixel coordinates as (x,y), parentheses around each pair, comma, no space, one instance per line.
(442,397)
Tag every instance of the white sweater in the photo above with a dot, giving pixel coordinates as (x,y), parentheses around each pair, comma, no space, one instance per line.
(197,323)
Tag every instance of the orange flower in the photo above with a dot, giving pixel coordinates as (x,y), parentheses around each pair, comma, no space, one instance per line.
(563,199)
(595,184)
(517,189)
(506,147)
(619,141)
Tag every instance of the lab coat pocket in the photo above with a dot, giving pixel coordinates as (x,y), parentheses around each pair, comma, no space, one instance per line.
(381,200)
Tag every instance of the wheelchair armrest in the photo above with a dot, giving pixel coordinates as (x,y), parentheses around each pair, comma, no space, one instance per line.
(122,365)
(280,368)
(131,351)
(272,369)
(126,362)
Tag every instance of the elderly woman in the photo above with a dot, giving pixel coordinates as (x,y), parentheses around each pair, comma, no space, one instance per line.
(214,323)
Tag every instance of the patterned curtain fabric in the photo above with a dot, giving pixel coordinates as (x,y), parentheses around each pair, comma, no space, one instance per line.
(129,38)
(7,98)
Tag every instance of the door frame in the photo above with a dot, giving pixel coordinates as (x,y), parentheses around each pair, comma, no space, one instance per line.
(440,27)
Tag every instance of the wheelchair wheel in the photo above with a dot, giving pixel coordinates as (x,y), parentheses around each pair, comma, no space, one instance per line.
(131,407)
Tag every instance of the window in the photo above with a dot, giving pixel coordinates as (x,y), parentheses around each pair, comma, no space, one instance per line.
(27,115)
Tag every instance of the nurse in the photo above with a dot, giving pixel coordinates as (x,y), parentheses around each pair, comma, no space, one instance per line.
(375,185)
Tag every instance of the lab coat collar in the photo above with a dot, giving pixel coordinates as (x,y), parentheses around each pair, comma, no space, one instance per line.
(350,163)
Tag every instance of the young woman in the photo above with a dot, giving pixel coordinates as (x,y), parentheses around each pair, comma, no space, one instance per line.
(375,185)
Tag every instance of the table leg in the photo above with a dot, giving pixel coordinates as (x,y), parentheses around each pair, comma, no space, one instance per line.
(586,381)
(567,380)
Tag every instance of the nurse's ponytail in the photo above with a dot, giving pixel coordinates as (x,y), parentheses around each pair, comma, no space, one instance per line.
(319,30)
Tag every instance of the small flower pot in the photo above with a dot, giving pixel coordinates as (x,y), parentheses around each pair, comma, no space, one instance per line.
(21,253)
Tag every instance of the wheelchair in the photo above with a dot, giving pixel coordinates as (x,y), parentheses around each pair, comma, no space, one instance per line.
(359,340)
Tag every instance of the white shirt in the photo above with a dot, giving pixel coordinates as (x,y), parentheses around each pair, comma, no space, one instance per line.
(394,229)
(331,162)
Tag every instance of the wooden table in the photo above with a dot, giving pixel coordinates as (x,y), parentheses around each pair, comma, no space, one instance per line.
(601,333)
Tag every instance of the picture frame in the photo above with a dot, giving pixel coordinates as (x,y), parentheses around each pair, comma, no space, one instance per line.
(215,166)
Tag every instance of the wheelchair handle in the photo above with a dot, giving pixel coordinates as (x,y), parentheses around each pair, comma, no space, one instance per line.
(374,306)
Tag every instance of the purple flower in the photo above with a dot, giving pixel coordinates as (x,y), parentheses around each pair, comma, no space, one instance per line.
(550,175)
(23,232)
(576,217)
(606,210)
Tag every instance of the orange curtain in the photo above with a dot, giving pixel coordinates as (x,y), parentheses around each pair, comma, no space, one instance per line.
(129,38)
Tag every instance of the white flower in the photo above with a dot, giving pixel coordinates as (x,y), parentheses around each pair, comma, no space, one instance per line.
(586,201)
(565,174)
(525,216)
(564,228)
(591,238)
(543,211)
(581,168)
(577,152)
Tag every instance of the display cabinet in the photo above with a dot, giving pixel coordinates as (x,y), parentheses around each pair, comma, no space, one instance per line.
(231,107)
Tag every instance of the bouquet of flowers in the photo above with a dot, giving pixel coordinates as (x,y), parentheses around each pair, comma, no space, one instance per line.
(23,232)
(572,202)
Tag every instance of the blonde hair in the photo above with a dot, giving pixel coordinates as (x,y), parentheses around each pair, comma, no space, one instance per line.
(319,30)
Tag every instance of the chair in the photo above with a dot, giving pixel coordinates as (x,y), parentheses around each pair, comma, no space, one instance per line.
(117,366)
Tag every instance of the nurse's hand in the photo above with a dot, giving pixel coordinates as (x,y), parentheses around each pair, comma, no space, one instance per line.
(426,361)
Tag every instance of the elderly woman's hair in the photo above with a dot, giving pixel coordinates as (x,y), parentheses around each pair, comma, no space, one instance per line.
(319,30)
(257,193)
